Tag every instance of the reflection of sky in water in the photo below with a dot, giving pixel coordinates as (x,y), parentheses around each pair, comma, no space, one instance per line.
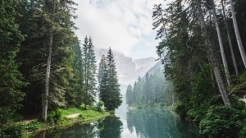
(121,112)
(145,123)
(152,123)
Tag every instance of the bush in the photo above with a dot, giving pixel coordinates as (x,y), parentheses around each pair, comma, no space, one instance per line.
(112,112)
(54,116)
(32,126)
(221,121)
(14,131)
(99,106)
(181,110)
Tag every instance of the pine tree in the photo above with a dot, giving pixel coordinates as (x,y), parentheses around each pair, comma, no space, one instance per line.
(102,68)
(103,80)
(74,91)
(11,78)
(46,54)
(108,82)
(114,87)
(129,95)
(89,72)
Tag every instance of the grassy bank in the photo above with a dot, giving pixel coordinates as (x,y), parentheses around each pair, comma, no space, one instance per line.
(58,118)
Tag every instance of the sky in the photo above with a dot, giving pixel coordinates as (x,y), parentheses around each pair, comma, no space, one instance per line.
(123,25)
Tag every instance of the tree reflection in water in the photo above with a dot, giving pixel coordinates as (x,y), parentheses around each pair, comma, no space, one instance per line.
(158,124)
(110,127)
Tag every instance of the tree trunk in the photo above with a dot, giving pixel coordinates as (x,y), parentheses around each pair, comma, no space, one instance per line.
(239,40)
(212,58)
(173,103)
(222,51)
(47,80)
(229,39)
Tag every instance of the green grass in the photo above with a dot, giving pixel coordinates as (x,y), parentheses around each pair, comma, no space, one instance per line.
(57,118)
(90,113)
(68,111)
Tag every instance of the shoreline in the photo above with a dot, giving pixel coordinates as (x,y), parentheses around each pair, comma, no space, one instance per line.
(63,123)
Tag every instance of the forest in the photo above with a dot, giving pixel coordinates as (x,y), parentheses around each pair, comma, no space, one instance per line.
(44,67)
(202,46)
(151,90)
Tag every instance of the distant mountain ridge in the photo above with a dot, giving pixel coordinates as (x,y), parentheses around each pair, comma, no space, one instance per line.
(128,69)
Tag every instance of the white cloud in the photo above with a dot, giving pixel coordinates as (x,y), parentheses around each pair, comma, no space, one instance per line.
(120,24)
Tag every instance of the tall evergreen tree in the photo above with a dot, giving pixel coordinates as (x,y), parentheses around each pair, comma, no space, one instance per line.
(114,87)
(47,26)
(74,91)
(129,95)
(89,69)
(108,82)
(11,78)
(102,70)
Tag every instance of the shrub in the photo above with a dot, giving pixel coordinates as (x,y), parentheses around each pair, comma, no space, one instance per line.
(99,106)
(221,121)
(32,126)
(181,110)
(14,131)
(54,116)
(112,112)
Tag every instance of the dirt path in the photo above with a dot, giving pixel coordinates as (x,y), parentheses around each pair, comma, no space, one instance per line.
(73,115)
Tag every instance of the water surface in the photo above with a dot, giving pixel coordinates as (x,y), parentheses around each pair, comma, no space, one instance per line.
(144,123)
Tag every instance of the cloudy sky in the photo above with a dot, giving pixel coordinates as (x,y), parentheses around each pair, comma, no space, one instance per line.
(123,25)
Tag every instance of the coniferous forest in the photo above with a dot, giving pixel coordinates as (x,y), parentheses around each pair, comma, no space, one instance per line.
(202,46)
(45,70)
(44,66)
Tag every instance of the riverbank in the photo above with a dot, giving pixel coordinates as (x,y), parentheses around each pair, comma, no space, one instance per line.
(59,118)
(85,116)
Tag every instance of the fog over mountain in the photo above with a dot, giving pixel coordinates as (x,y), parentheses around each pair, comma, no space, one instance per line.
(128,69)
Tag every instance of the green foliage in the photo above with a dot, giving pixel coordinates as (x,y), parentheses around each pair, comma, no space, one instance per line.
(182,50)
(181,110)
(108,82)
(151,90)
(100,106)
(89,71)
(112,112)
(54,116)
(89,114)
(32,126)
(14,131)
(11,80)
(239,84)
(221,121)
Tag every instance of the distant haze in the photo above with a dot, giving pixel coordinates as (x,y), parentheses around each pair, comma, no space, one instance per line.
(128,69)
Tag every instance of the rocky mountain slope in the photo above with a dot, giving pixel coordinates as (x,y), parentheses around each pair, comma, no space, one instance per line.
(128,69)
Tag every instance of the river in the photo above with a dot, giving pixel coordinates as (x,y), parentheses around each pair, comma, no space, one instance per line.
(144,123)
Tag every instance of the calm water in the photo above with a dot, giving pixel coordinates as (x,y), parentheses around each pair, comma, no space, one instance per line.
(128,124)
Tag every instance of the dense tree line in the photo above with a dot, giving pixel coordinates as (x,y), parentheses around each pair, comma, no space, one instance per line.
(151,90)
(202,50)
(43,66)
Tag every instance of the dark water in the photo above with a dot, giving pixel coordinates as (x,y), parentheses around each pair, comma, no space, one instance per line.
(131,124)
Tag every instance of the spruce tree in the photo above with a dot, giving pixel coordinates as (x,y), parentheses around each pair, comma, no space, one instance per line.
(113,84)
(129,95)
(89,71)
(46,53)
(103,80)
(11,78)
(74,91)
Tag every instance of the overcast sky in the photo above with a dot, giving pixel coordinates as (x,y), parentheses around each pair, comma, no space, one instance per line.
(123,25)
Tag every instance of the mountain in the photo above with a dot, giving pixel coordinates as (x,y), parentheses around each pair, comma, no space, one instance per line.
(128,69)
